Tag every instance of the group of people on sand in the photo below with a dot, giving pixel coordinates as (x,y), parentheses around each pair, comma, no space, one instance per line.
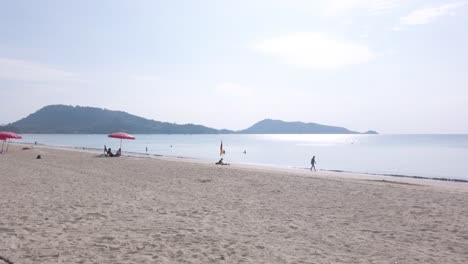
(108,152)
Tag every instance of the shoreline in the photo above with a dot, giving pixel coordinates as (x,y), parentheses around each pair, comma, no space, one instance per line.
(291,171)
(268,167)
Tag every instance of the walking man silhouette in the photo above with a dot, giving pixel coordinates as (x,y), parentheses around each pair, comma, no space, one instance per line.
(312,163)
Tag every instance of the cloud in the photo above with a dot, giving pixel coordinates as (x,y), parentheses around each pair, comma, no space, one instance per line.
(21,70)
(373,7)
(427,15)
(313,50)
(147,78)
(364,36)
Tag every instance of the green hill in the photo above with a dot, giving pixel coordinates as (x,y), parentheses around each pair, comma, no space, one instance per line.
(270,126)
(63,119)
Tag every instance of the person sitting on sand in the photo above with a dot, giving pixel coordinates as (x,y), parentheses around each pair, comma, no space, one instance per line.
(109,153)
(220,162)
(118,153)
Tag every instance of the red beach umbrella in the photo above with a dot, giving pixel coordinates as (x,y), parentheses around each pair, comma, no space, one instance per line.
(121,135)
(4,135)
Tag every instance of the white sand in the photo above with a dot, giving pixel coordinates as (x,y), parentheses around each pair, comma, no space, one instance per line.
(75,207)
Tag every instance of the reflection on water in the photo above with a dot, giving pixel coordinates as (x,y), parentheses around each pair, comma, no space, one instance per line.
(441,156)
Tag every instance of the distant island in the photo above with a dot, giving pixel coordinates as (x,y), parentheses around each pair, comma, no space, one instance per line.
(270,126)
(64,119)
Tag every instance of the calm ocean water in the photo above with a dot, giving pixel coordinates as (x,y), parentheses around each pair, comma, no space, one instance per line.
(438,156)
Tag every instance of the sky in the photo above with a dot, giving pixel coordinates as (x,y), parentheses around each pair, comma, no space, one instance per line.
(395,66)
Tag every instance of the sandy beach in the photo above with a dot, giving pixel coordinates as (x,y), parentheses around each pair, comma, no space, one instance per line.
(76,207)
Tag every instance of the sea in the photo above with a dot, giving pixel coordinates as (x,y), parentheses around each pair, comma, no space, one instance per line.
(425,156)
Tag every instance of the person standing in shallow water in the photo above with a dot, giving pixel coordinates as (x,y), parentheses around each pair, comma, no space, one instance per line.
(312,163)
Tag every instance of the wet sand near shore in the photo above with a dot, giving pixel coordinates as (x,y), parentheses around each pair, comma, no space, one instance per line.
(77,207)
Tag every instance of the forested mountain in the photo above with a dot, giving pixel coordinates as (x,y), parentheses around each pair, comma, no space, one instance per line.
(58,119)
(270,126)
(9,128)
(63,119)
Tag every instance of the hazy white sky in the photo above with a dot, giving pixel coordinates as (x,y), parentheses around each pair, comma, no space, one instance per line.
(390,65)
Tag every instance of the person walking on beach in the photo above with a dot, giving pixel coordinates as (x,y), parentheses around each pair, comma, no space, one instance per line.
(312,163)
(105,149)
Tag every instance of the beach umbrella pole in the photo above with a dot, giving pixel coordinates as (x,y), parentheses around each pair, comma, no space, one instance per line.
(7,145)
(2,146)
